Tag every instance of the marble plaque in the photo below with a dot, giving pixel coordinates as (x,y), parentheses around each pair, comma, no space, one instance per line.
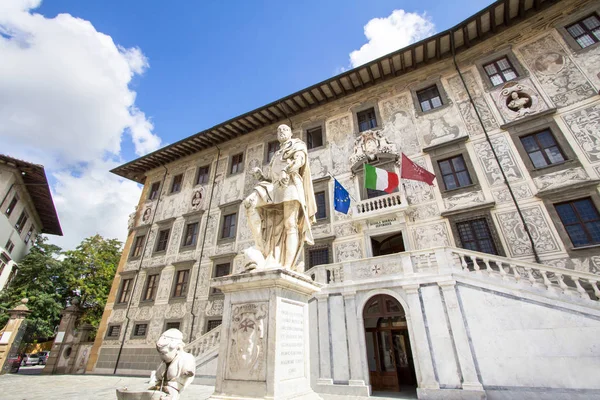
(291,346)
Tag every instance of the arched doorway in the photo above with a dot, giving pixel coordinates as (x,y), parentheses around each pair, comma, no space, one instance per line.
(389,356)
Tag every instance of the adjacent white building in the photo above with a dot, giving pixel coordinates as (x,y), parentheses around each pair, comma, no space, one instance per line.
(26,210)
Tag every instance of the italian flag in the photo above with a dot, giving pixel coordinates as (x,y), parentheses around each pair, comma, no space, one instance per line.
(380,179)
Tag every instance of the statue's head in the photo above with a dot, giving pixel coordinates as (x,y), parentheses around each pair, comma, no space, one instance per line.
(514,95)
(284,133)
(169,344)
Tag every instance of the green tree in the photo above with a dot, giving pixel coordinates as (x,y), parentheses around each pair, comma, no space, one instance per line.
(91,268)
(42,280)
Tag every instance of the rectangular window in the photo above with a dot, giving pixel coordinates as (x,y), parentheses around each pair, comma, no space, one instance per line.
(542,149)
(475,235)
(176,185)
(500,71)
(181,283)
(314,137)
(113,331)
(272,148)
(154,191)
(29,233)
(140,330)
(21,222)
(321,205)
(125,290)
(318,256)
(454,172)
(191,234)
(429,98)
(213,324)
(228,230)
(151,287)
(237,164)
(3,262)
(366,119)
(221,270)
(202,177)
(172,325)
(9,246)
(11,206)
(138,245)
(586,32)
(163,240)
(581,221)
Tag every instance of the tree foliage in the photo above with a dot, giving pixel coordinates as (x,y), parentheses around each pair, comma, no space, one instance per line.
(50,278)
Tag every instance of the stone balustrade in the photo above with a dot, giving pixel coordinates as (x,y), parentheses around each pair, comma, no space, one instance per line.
(204,343)
(370,207)
(435,262)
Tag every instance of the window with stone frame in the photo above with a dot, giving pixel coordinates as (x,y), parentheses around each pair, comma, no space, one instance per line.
(221,269)
(177,183)
(500,71)
(163,240)
(475,235)
(9,246)
(138,246)
(455,173)
(203,175)
(543,149)
(321,206)
(212,324)
(367,119)
(429,98)
(11,206)
(581,220)
(29,234)
(228,226)
(3,262)
(586,31)
(150,288)
(190,237)
(154,189)
(318,256)
(125,291)
(172,325)
(113,331)
(181,283)
(21,222)
(314,137)
(140,330)
(272,148)
(236,164)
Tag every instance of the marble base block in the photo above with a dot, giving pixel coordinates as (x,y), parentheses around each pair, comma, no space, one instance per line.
(264,350)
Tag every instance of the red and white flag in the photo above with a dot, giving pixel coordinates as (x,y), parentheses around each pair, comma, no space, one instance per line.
(411,170)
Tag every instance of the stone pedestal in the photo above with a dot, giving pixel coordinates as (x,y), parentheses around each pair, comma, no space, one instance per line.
(264,351)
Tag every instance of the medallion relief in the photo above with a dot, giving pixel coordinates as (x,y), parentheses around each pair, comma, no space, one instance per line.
(198,199)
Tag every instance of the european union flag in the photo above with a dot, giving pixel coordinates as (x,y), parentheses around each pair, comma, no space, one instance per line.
(341,198)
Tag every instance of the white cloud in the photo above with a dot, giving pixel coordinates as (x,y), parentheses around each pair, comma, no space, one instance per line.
(389,34)
(65,102)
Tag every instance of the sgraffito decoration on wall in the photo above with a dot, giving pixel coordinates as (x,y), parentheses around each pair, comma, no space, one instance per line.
(584,125)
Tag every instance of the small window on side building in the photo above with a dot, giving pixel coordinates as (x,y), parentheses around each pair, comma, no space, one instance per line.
(176,185)
(429,98)
(11,206)
(203,175)
(586,31)
(21,222)
(140,330)
(29,233)
(181,283)
(172,325)
(237,164)
(542,149)
(229,223)
(367,119)
(113,331)
(9,246)
(151,287)
(138,245)
(153,195)
(125,291)
(500,71)
(314,137)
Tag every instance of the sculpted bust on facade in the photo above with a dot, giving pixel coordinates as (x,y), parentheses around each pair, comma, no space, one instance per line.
(282,207)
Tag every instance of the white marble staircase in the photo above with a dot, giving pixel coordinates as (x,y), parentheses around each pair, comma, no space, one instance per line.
(206,349)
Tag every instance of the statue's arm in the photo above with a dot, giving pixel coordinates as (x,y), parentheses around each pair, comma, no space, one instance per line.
(297,162)
(259,175)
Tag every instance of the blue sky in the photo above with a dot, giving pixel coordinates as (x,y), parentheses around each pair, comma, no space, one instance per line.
(89,85)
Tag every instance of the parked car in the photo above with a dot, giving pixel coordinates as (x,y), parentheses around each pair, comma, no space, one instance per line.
(32,359)
(15,363)
(44,357)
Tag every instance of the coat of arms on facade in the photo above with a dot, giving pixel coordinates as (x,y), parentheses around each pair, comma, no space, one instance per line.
(197,198)
(516,100)
(369,144)
(247,341)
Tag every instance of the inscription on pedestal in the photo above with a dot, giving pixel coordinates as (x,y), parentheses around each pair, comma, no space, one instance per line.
(292,343)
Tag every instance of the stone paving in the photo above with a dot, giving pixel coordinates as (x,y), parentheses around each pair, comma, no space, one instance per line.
(102,387)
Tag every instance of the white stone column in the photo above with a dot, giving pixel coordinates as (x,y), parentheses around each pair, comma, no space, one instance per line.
(460,338)
(324,348)
(419,338)
(356,376)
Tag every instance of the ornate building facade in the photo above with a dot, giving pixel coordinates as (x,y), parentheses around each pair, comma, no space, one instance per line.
(431,286)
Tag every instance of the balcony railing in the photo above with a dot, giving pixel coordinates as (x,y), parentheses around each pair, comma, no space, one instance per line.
(376,205)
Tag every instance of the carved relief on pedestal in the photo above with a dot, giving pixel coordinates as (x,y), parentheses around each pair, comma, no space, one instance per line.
(490,166)
(246,356)
(502,195)
(341,138)
(516,238)
(214,308)
(466,109)
(434,235)
(348,251)
(584,124)
(369,144)
(561,178)
(426,211)
(560,78)
(516,100)
(464,200)
(375,270)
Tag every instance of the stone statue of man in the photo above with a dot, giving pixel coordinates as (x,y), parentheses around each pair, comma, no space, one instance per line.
(282,207)
(177,370)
